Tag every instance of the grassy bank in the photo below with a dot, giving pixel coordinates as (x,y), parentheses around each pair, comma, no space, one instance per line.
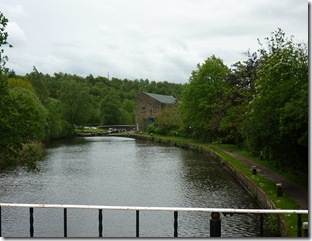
(298,178)
(266,185)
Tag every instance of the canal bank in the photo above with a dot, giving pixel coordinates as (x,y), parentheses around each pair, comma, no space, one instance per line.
(262,189)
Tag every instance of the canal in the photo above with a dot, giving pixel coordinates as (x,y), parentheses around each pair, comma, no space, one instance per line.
(123,172)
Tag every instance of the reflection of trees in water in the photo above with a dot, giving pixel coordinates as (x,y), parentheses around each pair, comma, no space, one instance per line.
(205,183)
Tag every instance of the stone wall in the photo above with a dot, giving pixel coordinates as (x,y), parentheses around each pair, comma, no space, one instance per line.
(146,107)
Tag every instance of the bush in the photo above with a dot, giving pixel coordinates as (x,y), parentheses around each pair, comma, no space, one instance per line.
(152,129)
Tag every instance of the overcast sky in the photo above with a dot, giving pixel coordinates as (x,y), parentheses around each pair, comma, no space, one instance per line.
(156,40)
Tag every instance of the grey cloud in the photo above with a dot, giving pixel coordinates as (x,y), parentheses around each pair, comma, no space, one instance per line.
(157,40)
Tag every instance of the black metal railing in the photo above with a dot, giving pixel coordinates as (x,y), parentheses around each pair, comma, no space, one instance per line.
(215,221)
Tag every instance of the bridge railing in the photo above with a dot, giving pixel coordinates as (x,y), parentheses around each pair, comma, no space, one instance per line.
(215,222)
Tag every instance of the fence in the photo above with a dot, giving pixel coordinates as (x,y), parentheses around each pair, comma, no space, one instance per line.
(215,222)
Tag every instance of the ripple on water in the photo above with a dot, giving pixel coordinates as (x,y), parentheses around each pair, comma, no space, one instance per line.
(122,171)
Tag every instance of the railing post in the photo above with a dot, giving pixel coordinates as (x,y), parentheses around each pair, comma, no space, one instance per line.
(175,223)
(100,223)
(305,227)
(299,222)
(254,170)
(31,221)
(65,222)
(0,223)
(261,224)
(279,189)
(137,233)
(215,225)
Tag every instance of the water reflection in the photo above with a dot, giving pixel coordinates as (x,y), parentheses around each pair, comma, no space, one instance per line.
(124,171)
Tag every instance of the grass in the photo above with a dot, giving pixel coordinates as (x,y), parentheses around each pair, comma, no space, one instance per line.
(300,179)
(84,130)
(266,185)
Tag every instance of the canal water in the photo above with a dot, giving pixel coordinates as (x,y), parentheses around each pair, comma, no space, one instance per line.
(127,172)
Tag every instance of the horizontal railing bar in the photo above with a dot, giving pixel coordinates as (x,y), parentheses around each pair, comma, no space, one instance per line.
(180,209)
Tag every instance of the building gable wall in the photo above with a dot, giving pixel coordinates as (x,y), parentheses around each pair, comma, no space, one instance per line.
(146,107)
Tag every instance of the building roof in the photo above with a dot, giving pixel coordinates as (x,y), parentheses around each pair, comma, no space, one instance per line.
(166,99)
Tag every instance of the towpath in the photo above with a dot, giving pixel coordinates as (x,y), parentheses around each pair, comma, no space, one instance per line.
(298,193)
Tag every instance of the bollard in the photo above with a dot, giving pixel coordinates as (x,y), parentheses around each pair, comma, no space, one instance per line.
(279,190)
(215,225)
(254,170)
(305,227)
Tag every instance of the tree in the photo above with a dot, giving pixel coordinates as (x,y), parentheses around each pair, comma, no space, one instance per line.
(127,110)
(169,120)
(278,116)
(109,109)
(4,91)
(239,91)
(75,102)
(22,120)
(28,116)
(57,127)
(3,42)
(22,83)
(39,82)
(201,98)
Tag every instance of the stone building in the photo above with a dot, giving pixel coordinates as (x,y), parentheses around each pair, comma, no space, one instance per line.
(147,107)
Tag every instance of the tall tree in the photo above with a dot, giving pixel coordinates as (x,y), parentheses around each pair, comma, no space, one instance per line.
(75,102)
(40,84)
(201,98)
(110,109)
(239,91)
(278,117)
(3,42)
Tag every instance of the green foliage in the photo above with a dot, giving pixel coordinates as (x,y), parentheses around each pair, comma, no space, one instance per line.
(278,116)
(19,82)
(39,83)
(169,120)
(31,154)
(200,101)
(109,109)
(29,119)
(271,224)
(22,120)
(57,126)
(3,42)
(262,103)
(75,102)
(152,129)
(238,93)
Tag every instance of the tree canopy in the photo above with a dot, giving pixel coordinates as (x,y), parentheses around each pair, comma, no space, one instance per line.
(261,103)
(201,99)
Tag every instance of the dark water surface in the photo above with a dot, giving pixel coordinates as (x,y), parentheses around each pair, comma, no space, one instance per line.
(121,171)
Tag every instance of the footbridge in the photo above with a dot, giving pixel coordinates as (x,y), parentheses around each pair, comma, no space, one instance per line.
(118,127)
